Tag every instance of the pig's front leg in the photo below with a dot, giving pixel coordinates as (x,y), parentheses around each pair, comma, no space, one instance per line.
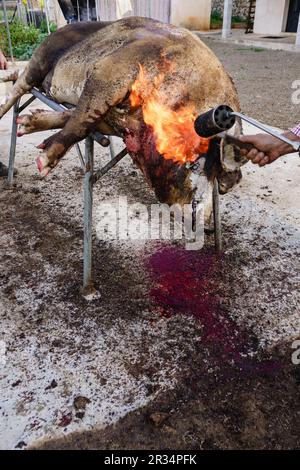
(94,102)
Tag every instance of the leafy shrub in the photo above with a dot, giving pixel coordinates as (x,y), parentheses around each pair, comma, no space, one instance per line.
(216,17)
(43,27)
(238,19)
(25,39)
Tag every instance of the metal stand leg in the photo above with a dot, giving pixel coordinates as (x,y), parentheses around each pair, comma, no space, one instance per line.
(217,217)
(88,287)
(13,141)
(80,156)
(112,148)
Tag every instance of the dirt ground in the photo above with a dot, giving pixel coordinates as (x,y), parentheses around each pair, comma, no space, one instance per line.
(264,81)
(182,350)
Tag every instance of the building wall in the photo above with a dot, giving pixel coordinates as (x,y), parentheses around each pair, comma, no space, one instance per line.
(157,9)
(110,10)
(55,13)
(239,7)
(271,16)
(191,14)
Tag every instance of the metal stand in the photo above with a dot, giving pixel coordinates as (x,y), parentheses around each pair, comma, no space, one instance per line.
(90,178)
(217,217)
(13,141)
(88,287)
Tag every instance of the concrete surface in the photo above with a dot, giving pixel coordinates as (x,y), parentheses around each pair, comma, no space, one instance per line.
(286,42)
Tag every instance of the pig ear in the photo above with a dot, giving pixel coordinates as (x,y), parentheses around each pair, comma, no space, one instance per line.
(230,157)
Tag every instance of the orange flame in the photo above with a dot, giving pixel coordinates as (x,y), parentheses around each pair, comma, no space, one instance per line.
(174,132)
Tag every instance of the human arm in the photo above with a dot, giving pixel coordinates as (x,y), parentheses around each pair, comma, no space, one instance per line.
(268,148)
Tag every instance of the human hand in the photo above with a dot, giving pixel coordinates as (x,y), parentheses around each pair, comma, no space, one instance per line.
(266,147)
(3,61)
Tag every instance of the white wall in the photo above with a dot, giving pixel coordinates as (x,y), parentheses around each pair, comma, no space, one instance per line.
(270,16)
(56,14)
(192,14)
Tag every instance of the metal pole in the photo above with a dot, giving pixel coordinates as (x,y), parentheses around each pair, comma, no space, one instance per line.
(29,13)
(99,173)
(88,9)
(27,103)
(298,33)
(111,148)
(88,287)
(78,11)
(7,30)
(227,15)
(217,217)
(47,16)
(97,10)
(80,156)
(13,141)
(18,10)
(33,19)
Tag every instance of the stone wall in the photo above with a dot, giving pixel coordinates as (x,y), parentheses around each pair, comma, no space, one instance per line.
(240,7)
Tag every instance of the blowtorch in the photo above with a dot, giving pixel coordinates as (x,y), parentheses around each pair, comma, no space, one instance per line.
(219,120)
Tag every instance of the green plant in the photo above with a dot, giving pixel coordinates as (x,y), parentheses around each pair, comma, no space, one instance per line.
(44,29)
(238,19)
(250,49)
(25,39)
(24,51)
(216,16)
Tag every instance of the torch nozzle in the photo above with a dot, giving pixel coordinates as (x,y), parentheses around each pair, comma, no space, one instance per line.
(216,120)
(222,118)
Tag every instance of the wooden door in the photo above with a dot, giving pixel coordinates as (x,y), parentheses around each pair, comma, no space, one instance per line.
(293,16)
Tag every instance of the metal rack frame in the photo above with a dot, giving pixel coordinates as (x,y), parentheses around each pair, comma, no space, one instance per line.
(91,176)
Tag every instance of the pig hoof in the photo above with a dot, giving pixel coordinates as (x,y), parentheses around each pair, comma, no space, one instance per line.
(43,165)
(25,125)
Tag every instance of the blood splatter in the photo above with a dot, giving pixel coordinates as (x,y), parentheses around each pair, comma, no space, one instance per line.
(185,282)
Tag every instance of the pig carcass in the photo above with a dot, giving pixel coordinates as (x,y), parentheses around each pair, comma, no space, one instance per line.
(117,74)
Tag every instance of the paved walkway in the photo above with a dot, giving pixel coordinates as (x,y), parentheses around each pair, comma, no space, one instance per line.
(282,41)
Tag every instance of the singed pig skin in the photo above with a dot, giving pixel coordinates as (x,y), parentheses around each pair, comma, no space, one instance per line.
(93,66)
